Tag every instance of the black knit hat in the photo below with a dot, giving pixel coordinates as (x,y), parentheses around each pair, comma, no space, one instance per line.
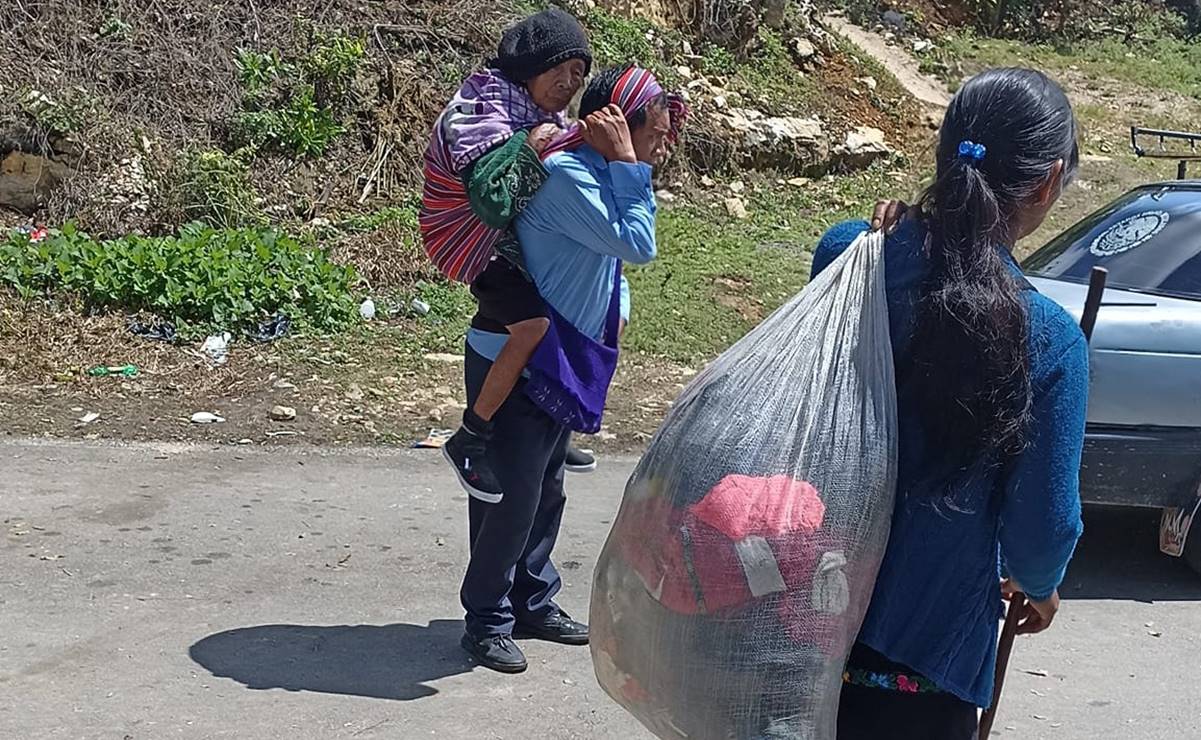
(540,43)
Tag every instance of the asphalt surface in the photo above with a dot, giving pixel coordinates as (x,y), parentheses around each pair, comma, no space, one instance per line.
(185,592)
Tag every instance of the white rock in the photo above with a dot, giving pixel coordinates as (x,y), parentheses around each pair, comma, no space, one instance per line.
(205,417)
(803,49)
(778,141)
(736,207)
(282,413)
(445,358)
(862,146)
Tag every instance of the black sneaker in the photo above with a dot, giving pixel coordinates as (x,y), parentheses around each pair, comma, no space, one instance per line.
(497,652)
(580,461)
(467,454)
(559,628)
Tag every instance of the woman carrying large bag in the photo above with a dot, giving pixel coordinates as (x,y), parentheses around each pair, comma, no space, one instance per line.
(992,384)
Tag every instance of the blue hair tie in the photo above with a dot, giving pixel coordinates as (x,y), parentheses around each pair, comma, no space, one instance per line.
(971,150)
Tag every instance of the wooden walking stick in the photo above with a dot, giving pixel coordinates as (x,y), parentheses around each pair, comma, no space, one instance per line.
(1017,603)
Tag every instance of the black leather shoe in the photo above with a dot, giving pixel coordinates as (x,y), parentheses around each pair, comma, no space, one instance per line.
(580,461)
(497,652)
(559,628)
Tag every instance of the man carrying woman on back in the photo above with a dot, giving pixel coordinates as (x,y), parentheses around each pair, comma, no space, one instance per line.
(539,221)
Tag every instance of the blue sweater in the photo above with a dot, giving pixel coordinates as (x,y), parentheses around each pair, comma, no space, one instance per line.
(937,603)
(587,217)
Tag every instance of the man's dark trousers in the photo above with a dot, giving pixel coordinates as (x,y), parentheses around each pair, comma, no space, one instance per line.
(510,577)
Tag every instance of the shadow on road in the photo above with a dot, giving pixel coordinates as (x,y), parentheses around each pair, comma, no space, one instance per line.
(1119,558)
(393,661)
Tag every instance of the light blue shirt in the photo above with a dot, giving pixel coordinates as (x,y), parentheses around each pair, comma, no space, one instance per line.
(587,217)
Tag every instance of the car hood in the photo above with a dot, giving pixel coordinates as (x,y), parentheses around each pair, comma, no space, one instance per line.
(1133,322)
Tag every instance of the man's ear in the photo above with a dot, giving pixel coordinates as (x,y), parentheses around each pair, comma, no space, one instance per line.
(1052,187)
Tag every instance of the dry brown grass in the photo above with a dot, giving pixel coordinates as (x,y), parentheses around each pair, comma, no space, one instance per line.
(159,78)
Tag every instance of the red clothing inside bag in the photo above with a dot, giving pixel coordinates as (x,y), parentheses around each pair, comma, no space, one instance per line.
(746,538)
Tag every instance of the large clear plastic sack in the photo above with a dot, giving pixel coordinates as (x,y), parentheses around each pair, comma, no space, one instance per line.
(741,563)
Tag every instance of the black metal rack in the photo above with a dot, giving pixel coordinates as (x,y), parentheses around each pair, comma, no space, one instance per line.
(1161,151)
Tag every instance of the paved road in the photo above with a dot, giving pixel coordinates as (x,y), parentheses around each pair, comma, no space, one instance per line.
(178,592)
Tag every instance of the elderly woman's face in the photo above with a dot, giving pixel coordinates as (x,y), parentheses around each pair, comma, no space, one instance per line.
(553,90)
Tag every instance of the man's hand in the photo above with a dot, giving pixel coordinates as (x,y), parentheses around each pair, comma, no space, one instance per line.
(541,137)
(607,132)
(1038,615)
(888,214)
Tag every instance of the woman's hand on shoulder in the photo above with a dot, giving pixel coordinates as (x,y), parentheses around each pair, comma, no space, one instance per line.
(888,214)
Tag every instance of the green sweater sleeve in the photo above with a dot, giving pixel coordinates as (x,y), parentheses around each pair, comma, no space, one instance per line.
(501,183)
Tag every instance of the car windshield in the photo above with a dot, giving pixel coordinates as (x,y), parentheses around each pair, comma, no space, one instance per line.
(1149,240)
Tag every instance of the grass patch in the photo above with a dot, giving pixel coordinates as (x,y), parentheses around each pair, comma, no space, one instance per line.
(1163,63)
(716,278)
(403,216)
(617,40)
(768,76)
(201,280)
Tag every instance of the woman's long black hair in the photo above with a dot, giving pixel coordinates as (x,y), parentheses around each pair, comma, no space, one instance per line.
(969,357)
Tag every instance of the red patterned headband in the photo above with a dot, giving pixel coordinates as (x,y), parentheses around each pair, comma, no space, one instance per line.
(634,90)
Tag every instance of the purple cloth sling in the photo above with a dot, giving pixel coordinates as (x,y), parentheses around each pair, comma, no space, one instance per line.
(570,372)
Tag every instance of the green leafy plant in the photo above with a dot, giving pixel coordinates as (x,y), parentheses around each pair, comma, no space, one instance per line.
(115,28)
(63,113)
(333,57)
(294,105)
(259,70)
(863,12)
(301,127)
(215,188)
(718,60)
(202,279)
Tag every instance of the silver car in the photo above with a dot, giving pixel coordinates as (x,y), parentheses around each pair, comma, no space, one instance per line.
(1143,444)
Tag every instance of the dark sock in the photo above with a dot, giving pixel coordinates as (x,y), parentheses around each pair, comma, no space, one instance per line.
(474,424)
